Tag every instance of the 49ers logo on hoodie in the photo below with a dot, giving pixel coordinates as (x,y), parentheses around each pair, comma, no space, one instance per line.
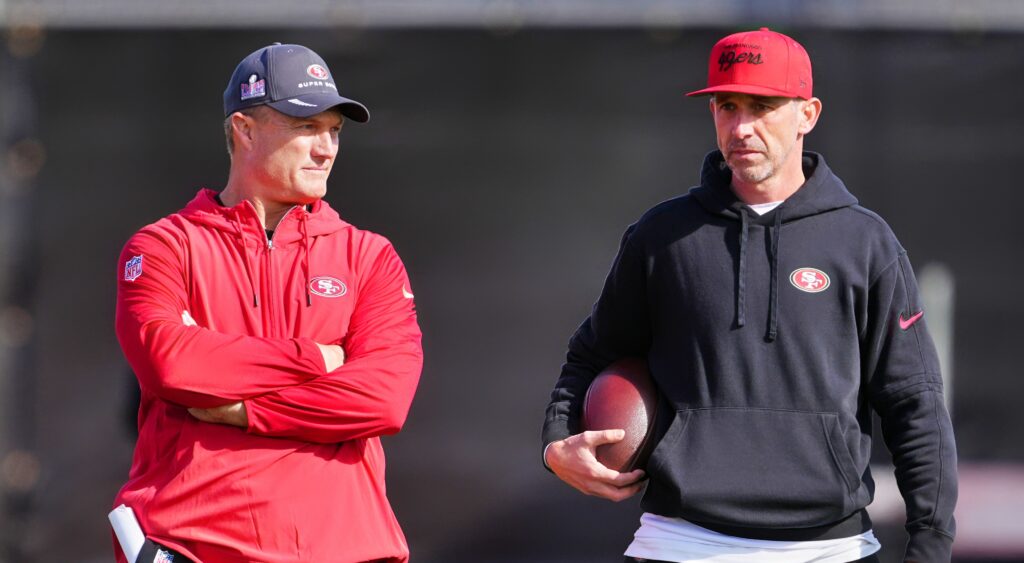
(811,280)
(326,286)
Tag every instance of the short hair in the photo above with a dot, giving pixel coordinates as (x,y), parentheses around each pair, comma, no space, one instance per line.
(252,111)
(259,113)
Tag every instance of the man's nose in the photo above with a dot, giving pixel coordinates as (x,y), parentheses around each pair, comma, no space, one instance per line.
(323,145)
(743,125)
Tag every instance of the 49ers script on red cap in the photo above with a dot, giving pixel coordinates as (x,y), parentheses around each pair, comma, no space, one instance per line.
(761,63)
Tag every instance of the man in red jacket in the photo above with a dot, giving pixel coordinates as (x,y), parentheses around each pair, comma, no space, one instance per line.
(274,344)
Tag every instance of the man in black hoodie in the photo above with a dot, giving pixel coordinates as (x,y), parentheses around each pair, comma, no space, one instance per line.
(775,314)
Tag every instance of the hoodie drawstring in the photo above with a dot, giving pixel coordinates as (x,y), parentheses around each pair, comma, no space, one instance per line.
(773,304)
(305,258)
(741,287)
(245,256)
(741,282)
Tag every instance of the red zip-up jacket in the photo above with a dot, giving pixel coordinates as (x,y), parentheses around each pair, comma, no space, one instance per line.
(209,312)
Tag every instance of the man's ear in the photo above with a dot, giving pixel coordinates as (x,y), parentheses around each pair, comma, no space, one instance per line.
(810,111)
(243,129)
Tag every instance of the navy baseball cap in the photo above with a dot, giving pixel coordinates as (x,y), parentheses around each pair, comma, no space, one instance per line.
(291,79)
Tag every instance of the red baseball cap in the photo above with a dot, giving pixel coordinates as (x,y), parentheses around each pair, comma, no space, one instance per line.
(761,63)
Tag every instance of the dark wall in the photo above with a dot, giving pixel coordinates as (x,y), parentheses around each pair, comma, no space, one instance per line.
(504,167)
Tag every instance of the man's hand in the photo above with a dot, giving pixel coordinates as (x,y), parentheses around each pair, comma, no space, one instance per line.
(573,460)
(232,415)
(334,356)
(235,414)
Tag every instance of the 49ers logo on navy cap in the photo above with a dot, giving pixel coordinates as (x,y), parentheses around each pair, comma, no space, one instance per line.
(317,71)
(811,280)
(326,286)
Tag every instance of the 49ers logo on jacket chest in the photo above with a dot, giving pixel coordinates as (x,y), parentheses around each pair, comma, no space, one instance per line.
(327,286)
(811,280)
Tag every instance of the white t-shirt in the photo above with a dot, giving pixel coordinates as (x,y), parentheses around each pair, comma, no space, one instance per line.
(762,208)
(674,539)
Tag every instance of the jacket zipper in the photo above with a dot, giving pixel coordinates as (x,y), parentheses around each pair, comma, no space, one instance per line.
(276,301)
(272,297)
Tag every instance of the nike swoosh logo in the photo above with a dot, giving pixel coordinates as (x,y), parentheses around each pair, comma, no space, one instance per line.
(406,294)
(906,323)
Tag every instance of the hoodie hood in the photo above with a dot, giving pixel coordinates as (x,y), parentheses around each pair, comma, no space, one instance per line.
(204,209)
(298,226)
(821,192)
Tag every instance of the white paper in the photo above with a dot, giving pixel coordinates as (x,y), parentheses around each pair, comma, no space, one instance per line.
(128,532)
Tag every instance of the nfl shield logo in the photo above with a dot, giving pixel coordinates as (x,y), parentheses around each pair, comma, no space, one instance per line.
(133,268)
(163,557)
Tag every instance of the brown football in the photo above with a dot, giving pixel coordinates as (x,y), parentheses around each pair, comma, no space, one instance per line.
(623,396)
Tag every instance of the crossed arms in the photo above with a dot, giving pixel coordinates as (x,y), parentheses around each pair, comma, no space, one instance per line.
(286,387)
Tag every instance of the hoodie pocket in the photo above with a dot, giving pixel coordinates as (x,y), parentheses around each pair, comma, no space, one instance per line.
(755,467)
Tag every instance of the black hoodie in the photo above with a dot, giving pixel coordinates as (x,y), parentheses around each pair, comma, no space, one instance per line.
(770,339)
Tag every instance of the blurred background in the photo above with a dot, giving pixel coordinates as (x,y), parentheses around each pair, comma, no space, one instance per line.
(511,144)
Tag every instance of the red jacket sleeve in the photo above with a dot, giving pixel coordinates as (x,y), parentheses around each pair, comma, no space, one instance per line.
(190,365)
(371,394)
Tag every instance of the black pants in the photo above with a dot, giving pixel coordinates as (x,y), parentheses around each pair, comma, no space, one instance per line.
(873,558)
